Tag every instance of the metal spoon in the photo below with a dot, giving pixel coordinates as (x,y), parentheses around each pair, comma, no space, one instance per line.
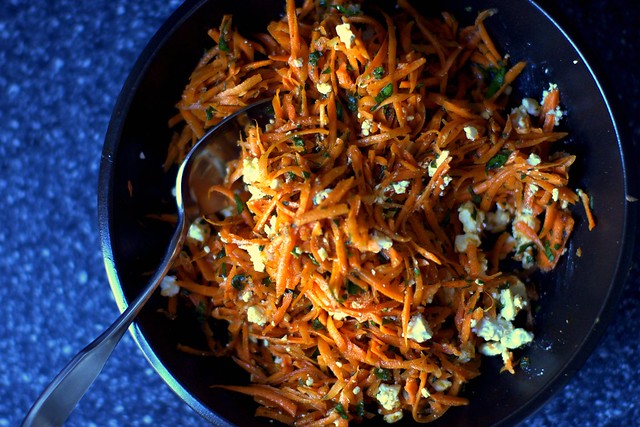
(205,165)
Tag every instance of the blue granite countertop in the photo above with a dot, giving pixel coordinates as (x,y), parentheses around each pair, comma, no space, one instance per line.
(62,64)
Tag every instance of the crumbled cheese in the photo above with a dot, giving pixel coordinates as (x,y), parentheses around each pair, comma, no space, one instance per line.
(555,193)
(275,184)
(545,93)
(446,180)
(309,381)
(246,296)
(441,384)
(418,329)
(322,253)
(255,314)
(531,106)
(497,221)
(471,218)
(366,127)
(298,62)
(499,333)
(270,229)
(388,395)
(425,393)
(467,352)
(400,187)
(169,287)
(392,418)
(346,35)
(463,240)
(324,88)
(258,257)
(321,195)
(356,390)
(256,193)
(197,231)
(383,241)
(533,160)
(513,299)
(558,113)
(251,170)
(471,132)
(433,166)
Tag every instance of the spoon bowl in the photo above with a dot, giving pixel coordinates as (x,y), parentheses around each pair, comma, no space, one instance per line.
(205,165)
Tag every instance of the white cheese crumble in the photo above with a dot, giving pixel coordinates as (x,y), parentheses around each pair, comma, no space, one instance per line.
(382,240)
(322,253)
(324,88)
(441,384)
(251,170)
(298,62)
(256,315)
(258,256)
(387,395)
(471,218)
(321,196)
(513,299)
(169,287)
(392,418)
(463,240)
(418,329)
(346,35)
(471,132)
(270,229)
(400,187)
(531,106)
(497,221)
(433,166)
(197,231)
(366,127)
(534,159)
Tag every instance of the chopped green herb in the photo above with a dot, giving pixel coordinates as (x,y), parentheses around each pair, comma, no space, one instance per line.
(378,72)
(383,374)
(296,252)
(260,248)
(316,324)
(387,320)
(340,410)
(384,93)
(222,40)
(239,204)
(350,11)
(557,246)
(547,251)
(298,141)
(210,112)
(201,311)
(352,102)
(360,409)
(314,56)
(223,270)
(266,281)
(353,289)
(498,160)
(339,110)
(326,70)
(238,281)
(475,198)
(306,174)
(496,77)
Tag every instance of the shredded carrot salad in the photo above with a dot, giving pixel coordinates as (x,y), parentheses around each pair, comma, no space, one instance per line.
(360,262)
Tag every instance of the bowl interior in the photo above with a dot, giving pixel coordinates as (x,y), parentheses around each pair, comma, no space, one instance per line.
(576,299)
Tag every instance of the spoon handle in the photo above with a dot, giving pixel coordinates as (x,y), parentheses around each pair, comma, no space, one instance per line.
(58,400)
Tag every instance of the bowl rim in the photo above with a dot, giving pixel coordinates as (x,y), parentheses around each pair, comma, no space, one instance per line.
(534,404)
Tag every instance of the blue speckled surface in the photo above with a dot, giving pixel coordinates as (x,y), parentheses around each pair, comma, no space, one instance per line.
(62,64)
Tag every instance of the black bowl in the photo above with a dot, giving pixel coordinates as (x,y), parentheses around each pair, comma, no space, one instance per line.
(577,299)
